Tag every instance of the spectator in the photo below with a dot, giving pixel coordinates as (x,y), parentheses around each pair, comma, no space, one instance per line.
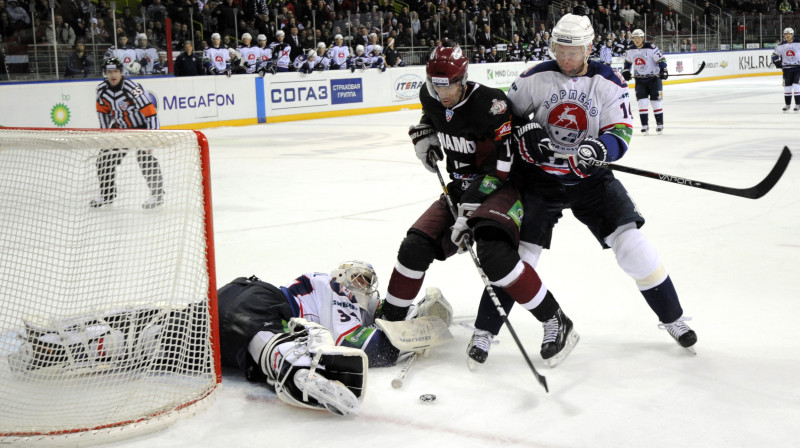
(98,31)
(78,64)
(6,29)
(485,39)
(17,15)
(64,34)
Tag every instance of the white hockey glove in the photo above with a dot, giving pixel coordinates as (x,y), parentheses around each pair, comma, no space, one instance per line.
(460,228)
(534,143)
(426,144)
(591,158)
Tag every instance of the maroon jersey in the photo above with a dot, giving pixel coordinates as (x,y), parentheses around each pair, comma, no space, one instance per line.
(475,136)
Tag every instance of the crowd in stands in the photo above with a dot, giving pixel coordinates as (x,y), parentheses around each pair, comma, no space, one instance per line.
(478,25)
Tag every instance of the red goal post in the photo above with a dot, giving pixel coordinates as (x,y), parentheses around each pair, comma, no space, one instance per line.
(108,327)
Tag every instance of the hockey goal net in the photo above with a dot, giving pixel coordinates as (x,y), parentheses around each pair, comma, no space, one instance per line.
(108,315)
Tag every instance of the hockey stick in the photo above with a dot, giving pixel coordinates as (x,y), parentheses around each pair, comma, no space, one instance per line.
(397,382)
(754,192)
(702,66)
(541,379)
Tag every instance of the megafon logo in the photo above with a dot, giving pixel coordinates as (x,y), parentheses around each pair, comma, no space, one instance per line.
(153,98)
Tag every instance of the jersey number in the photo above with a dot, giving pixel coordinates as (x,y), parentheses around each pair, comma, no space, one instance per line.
(626,111)
(345,317)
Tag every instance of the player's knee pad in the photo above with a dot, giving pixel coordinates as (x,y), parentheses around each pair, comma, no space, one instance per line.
(643,104)
(637,256)
(416,252)
(496,252)
(529,253)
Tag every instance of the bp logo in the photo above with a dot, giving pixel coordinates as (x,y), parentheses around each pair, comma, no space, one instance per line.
(568,124)
(60,115)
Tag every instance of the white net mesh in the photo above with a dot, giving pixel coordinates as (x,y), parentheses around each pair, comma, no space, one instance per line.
(105,310)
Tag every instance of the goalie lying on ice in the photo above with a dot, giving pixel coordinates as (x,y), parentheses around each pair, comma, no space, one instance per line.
(313,339)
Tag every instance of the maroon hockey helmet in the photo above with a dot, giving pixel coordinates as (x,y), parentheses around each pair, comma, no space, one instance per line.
(446,66)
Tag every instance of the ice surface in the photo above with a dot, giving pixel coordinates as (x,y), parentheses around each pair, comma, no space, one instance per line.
(302,196)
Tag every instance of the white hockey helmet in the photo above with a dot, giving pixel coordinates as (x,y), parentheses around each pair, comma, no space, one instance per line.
(338,37)
(261,38)
(788,30)
(247,36)
(572,31)
(311,54)
(321,45)
(215,36)
(361,280)
(280,33)
(377,48)
(637,33)
(359,49)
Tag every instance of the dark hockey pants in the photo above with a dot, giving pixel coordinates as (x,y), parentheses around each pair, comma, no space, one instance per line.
(107,163)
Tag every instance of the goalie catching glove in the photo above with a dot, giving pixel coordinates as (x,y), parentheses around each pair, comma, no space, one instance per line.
(307,369)
(427,145)
(591,158)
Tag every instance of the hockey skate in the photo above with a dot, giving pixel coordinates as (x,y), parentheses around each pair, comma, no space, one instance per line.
(645,128)
(153,201)
(478,348)
(796,108)
(559,339)
(786,108)
(100,201)
(333,395)
(683,335)
(659,129)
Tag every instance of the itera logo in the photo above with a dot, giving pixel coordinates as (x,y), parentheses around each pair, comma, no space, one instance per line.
(60,115)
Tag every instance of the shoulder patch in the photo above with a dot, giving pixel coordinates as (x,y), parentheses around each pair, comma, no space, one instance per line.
(498,107)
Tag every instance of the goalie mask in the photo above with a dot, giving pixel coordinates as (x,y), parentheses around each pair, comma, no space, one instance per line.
(361,280)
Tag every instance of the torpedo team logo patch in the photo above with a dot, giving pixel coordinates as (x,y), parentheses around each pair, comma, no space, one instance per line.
(568,124)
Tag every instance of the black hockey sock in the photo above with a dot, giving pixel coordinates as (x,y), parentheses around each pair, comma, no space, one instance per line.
(797,100)
(644,118)
(663,300)
(787,99)
(106,164)
(151,172)
(659,119)
(547,309)
(488,318)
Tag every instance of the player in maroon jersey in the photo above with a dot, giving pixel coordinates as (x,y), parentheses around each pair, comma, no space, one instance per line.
(469,126)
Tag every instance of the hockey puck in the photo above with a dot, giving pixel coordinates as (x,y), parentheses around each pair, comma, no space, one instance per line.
(427,398)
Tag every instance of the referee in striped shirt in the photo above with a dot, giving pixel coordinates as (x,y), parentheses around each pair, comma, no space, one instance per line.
(124,104)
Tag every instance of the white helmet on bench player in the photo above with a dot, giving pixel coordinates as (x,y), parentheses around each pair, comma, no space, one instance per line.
(361,280)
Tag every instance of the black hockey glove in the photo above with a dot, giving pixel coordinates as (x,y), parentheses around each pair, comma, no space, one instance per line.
(626,74)
(778,63)
(663,74)
(591,158)
(228,72)
(534,143)
(426,145)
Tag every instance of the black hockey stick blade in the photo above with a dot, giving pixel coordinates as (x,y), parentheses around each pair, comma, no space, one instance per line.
(702,66)
(754,192)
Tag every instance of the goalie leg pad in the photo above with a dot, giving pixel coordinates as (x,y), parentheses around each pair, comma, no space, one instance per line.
(434,304)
